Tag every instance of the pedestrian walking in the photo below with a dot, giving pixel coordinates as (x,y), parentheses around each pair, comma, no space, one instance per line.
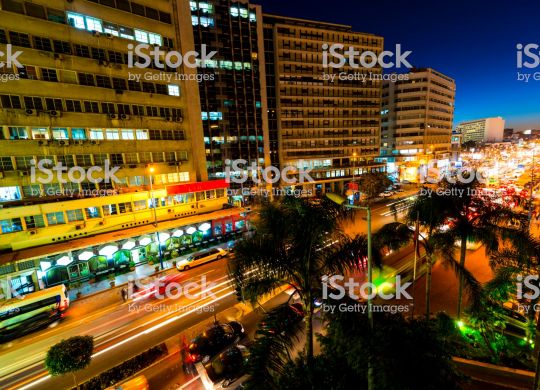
(124,293)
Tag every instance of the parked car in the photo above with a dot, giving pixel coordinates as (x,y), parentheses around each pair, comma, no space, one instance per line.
(213,340)
(228,366)
(200,258)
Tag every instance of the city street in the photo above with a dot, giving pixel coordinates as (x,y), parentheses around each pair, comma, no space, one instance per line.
(121,330)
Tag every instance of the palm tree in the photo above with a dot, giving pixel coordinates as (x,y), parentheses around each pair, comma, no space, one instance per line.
(425,212)
(472,217)
(297,243)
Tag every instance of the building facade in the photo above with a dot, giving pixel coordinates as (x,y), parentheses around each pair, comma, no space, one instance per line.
(321,118)
(483,130)
(74,105)
(233,102)
(417,116)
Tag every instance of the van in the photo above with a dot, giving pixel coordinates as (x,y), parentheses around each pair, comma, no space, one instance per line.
(200,258)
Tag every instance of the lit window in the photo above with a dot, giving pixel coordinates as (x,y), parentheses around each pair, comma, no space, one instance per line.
(128,134)
(226,65)
(112,134)
(78,134)
(142,134)
(93,24)
(141,36)
(238,66)
(96,134)
(244,12)
(206,8)
(207,22)
(60,133)
(40,133)
(204,116)
(76,20)
(234,11)
(110,28)
(154,39)
(247,65)
(252,17)
(194,20)
(193,5)
(174,90)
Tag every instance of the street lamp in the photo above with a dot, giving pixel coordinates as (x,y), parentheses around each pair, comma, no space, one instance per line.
(151,170)
(342,201)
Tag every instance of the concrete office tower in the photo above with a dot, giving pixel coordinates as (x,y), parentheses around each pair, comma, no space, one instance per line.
(322,118)
(76,97)
(417,116)
(483,130)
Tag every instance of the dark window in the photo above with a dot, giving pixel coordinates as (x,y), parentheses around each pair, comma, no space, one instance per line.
(108,3)
(12,6)
(19,39)
(137,110)
(10,101)
(151,111)
(123,5)
(148,87)
(168,42)
(161,89)
(98,54)
(62,47)
(164,17)
(56,15)
(108,108)
(164,112)
(152,13)
(33,102)
(42,44)
(3,37)
(91,107)
(103,81)
(73,105)
(124,109)
(119,83)
(137,9)
(117,159)
(54,104)
(82,51)
(134,85)
(49,74)
(35,10)
(115,57)
(86,79)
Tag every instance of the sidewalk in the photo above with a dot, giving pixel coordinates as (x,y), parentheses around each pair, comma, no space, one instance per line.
(104,289)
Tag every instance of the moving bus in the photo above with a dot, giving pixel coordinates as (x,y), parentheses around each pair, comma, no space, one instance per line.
(33,311)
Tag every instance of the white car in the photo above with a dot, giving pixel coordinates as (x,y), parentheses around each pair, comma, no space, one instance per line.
(200,258)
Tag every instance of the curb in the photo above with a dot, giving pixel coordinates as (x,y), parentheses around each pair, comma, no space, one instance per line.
(509,370)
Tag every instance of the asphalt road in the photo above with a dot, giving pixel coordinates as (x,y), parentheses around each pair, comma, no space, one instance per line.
(120,331)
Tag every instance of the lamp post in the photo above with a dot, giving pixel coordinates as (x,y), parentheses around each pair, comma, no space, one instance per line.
(150,176)
(343,202)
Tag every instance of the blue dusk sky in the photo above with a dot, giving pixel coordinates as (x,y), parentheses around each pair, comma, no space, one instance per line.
(474,42)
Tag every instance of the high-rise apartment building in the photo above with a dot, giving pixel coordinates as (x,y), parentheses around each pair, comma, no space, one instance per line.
(322,118)
(482,130)
(417,115)
(233,103)
(76,97)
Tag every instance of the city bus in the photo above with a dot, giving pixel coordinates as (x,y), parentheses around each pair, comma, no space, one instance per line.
(33,311)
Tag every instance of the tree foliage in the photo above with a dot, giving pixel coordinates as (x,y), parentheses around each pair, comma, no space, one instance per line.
(373,183)
(70,355)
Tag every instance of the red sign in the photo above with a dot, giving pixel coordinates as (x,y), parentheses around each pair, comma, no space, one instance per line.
(197,187)
(352,186)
